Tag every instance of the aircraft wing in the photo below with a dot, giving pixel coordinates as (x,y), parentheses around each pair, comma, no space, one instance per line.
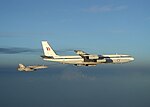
(37,67)
(80,52)
(86,56)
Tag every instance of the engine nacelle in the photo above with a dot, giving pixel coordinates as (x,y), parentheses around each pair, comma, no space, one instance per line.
(93,57)
(85,64)
(101,61)
(91,65)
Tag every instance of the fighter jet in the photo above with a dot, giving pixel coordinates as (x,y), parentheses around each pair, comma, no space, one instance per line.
(30,68)
(82,58)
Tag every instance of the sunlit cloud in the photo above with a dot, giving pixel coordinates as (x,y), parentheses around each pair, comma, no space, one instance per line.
(106,8)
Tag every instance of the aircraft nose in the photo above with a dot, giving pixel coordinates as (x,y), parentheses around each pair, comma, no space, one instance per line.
(132,59)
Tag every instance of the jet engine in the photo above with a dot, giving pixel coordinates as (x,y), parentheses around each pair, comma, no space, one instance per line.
(93,57)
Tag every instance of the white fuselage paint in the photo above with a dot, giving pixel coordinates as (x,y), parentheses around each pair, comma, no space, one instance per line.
(79,60)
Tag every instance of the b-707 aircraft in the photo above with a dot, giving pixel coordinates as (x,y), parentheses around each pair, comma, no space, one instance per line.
(82,58)
(30,68)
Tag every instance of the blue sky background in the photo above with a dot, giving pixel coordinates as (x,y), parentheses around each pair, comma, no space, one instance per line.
(96,26)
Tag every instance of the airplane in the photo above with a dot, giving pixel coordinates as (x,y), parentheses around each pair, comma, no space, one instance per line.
(82,58)
(30,68)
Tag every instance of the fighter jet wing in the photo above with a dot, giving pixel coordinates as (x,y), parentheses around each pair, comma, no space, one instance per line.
(37,67)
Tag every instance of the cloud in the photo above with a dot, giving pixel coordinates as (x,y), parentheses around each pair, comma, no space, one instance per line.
(65,50)
(70,74)
(22,34)
(117,31)
(16,50)
(147,18)
(106,8)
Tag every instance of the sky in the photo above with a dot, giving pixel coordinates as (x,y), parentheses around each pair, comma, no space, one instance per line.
(95,26)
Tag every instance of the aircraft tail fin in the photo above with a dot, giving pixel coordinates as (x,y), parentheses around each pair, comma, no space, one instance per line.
(48,51)
(21,66)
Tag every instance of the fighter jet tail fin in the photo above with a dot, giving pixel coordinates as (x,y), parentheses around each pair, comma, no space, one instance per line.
(48,51)
(21,66)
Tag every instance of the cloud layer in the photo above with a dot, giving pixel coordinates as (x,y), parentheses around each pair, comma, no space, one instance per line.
(16,50)
(106,8)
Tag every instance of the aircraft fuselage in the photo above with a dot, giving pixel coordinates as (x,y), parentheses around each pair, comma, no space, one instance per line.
(102,59)
(83,58)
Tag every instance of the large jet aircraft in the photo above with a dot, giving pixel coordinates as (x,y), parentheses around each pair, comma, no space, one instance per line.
(30,68)
(82,58)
